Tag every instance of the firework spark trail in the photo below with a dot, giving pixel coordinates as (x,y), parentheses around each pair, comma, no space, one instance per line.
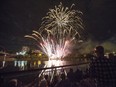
(50,46)
(58,31)
(61,19)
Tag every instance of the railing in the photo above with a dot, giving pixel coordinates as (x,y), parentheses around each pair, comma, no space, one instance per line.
(27,74)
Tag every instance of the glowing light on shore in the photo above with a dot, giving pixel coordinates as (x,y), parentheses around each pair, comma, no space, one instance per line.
(58,32)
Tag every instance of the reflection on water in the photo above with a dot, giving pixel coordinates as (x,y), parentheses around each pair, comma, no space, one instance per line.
(27,65)
(19,65)
(24,65)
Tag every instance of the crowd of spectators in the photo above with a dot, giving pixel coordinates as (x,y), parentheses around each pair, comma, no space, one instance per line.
(101,73)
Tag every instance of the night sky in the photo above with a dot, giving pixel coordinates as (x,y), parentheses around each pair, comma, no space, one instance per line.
(20,17)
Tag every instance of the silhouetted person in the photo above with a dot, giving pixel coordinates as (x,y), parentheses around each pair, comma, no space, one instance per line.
(87,83)
(12,83)
(112,59)
(70,75)
(55,81)
(47,80)
(64,82)
(78,75)
(101,69)
(43,82)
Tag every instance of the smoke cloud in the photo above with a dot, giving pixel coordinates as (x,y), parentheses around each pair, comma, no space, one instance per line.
(88,46)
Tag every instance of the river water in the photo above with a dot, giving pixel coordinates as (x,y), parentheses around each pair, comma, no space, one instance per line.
(27,65)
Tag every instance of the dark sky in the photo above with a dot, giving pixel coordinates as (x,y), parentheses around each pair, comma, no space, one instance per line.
(20,17)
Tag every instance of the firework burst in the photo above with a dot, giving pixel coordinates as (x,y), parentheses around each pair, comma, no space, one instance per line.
(58,31)
(63,20)
(50,46)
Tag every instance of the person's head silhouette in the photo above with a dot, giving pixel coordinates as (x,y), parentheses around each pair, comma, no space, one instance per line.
(99,51)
